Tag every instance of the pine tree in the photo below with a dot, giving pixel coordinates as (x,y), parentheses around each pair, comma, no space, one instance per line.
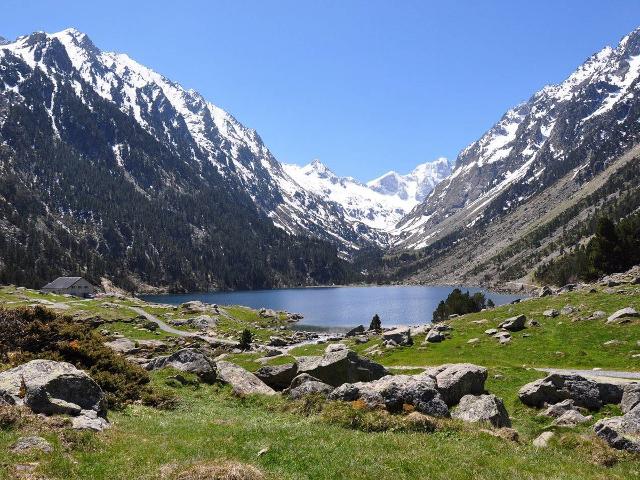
(376,324)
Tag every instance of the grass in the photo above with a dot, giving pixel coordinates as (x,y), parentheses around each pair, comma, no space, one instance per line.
(210,425)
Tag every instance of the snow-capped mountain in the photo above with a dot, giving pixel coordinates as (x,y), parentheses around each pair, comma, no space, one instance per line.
(577,127)
(381,203)
(194,129)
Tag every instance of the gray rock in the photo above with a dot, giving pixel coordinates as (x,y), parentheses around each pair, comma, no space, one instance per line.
(277,342)
(122,345)
(88,420)
(242,381)
(545,292)
(202,322)
(514,324)
(558,409)
(343,366)
(491,331)
(557,387)
(482,408)
(623,315)
(52,387)
(630,397)
(394,391)
(194,306)
(302,378)
(401,336)
(153,345)
(473,340)
(567,310)
(610,392)
(551,313)
(542,440)
(187,360)
(454,381)
(310,387)
(335,347)
(622,433)
(571,418)
(278,377)
(598,314)
(29,444)
(434,336)
(355,331)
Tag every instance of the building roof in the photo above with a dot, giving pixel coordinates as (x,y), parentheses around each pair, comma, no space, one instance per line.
(62,282)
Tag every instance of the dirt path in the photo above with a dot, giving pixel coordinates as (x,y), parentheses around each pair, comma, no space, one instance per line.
(163,326)
(611,376)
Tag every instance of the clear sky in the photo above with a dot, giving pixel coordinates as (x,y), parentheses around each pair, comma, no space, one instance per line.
(365,86)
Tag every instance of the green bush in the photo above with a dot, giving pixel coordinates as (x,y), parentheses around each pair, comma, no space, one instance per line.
(459,303)
(30,333)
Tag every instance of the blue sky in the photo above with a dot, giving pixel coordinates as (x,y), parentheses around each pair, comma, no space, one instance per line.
(365,86)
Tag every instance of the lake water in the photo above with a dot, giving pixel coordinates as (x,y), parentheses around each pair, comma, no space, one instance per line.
(335,308)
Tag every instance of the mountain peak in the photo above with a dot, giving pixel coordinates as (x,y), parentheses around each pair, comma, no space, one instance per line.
(4,41)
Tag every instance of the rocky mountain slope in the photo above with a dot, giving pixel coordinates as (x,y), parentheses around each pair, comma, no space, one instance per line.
(543,157)
(109,169)
(379,204)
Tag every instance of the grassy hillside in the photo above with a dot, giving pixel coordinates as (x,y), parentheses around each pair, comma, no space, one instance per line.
(324,441)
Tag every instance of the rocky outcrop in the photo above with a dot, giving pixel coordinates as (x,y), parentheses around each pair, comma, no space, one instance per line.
(399,336)
(482,408)
(622,316)
(556,387)
(622,433)
(278,377)
(394,391)
(355,331)
(242,381)
(310,387)
(343,366)
(514,324)
(187,360)
(50,387)
(630,397)
(454,381)
(30,444)
(122,345)
(571,418)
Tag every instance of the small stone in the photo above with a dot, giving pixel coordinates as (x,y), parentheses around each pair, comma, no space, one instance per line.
(28,444)
(542,440)
(551,313)
(491,331)
(571,418)
(473,340)
(623,315)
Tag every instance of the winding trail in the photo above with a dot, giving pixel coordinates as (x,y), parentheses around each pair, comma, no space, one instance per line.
(162,325)
(611,376)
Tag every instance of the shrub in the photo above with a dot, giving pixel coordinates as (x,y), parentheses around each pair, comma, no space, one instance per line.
(30,333)
(246,337)
(459,303)
(376,324)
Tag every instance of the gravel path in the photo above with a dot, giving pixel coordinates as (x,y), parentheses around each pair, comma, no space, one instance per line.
(163,326)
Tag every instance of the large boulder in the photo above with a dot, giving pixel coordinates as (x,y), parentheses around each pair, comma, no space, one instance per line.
(193,306)
(355,331)
(622,433)
(630,397)
(401,336)
(310,387)
(278,377)
(187,360)
(623,315)
(454,381)
(482,408)
(394,391)
(434,336)
(514,324)
(242,381)
(343,366)
(555,388)
(50,387)
(122,345)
